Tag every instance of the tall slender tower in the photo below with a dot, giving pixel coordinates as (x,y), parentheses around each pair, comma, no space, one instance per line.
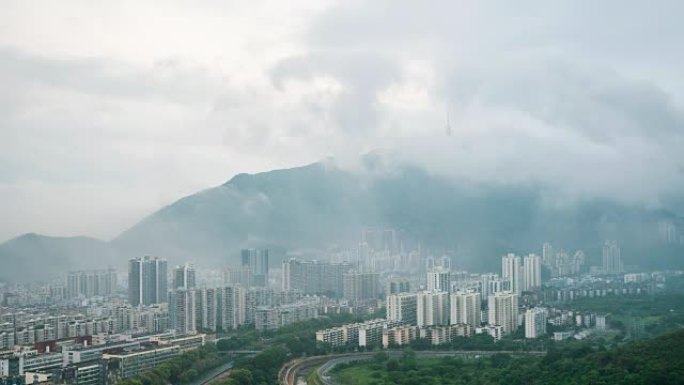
(184,277)
(503,310)
(612,261)
(257,262)
(147,280)
(465,308)
(510,271)
(532,269)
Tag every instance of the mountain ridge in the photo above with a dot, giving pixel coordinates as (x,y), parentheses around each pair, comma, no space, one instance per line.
(321,204)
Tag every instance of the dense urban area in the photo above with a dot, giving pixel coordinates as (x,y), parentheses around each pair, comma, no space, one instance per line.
(375,314)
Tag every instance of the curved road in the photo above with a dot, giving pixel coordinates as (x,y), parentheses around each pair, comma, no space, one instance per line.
(290,371)
(207,378)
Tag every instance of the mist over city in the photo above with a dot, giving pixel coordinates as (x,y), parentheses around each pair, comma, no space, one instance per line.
(341,192)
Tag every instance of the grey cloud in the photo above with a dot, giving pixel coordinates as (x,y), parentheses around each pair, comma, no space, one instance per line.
(600,104)
(362,75)
(583,96)
(168,79)
(540,93)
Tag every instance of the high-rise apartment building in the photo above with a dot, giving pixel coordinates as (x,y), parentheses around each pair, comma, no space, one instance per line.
(238,276)
(360,286)
(438,279)
(147,280)
(231,307)
(548,255)
(532,272)
(256,260)
(490,283)
(612,261)
(256,297)
(503,311)
(397,285)
(89,283)
(510,271)
(379,239)
(402,307)
(184,308)
(209,309)
(432,308)
(315,277)
(184,277)
(465,308)
(535,323)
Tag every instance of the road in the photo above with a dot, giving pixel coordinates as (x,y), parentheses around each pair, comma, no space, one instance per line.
(207,378)
(290,371)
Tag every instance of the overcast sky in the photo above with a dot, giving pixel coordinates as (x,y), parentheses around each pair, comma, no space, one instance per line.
(112,109)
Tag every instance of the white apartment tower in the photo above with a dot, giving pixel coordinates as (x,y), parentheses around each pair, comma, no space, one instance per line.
(535,323)
(548,256)
(402,307)
(532,272)
(432,308)
(465,308)
(612,261)
(503,311)
(510,271)
(438,279)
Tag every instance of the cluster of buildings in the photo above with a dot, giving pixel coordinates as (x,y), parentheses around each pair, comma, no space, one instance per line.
(86,330)
(333,279)
(96,327)
(90,361)
(449,303)
(561,263)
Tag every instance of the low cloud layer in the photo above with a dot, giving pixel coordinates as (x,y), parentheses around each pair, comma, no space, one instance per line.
(109,110)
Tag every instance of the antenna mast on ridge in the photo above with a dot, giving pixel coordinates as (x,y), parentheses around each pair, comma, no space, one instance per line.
(448,124)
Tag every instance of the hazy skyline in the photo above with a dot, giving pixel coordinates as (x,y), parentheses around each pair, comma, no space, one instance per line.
(110,110)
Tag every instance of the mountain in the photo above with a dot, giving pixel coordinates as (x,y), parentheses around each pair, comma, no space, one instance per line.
(321,205)
(33,257)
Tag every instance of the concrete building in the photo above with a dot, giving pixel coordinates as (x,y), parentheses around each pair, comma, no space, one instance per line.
(486,285)
(256,260)
(257,297)
(231,303)
(129,364)
(275,317)
(602,322)
(402,307)
(333,336)
(147,281)
(532,272)
(510,271)
(184,277)
(612,261)
(397,285)
(90,283)
(362,334)
(438,279)
(465,308)
(315,277)
(238,276)
(535,323)
(399,335)
(360,286)
(503,311)
(432,308)
(184,308)
(548,255)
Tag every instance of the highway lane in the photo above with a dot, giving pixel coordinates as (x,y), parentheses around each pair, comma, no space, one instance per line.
(290,371)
